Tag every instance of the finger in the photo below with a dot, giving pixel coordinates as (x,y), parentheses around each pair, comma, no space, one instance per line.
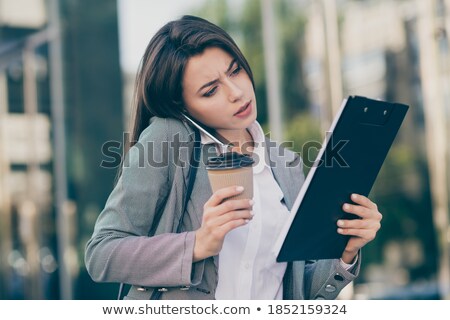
(233,224)
(366,234)
(233,215)
(359,224)
(222,194)
(360,211)
(364,201)
(231,205)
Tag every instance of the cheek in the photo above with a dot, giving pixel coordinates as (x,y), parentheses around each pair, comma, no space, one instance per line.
(207,111)
(192,104)
(246,84)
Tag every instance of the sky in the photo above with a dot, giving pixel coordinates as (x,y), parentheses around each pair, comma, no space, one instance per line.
(139,20)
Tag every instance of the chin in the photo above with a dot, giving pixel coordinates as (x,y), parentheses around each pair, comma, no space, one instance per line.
(252,118)
(250,122)
(247,122)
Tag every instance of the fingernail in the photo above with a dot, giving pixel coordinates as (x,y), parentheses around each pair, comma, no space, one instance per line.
(339,230)
(240,189)
(247,221)
(346,206)
(340,223)
(251,202)
(252,213)
(355,196)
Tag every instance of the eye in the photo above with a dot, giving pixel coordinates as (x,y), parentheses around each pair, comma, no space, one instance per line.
(236,70)
(210,92)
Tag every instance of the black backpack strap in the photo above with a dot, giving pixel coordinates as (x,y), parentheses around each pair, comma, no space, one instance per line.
(193,166)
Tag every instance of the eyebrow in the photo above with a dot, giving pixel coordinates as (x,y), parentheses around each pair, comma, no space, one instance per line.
(216,80)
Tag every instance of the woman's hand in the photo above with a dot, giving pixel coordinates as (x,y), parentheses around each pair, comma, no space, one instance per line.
(363,230)
(219,218)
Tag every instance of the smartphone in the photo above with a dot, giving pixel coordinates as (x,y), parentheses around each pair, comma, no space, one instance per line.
(223,143)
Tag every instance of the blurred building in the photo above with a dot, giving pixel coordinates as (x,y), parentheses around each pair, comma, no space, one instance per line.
(27,252)
(364,44)
(58,107)
(374,48)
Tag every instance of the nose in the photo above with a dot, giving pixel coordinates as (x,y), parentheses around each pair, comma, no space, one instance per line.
(235,92)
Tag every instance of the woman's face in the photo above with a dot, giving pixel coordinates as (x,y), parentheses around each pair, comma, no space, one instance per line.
(218,92)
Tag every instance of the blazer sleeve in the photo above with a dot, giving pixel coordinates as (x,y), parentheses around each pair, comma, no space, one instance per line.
(120,249)
(324,279)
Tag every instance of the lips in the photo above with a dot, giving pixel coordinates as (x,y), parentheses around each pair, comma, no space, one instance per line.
(243,108)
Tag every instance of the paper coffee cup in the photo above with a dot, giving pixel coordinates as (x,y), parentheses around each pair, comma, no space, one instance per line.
(231,169)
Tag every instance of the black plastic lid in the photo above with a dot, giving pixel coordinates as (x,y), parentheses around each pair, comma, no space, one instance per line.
(229,160)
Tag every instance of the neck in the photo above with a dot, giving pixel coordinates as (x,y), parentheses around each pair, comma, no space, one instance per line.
(241,139)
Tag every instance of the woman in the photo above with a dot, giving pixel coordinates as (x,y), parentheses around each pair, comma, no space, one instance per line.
(224,249)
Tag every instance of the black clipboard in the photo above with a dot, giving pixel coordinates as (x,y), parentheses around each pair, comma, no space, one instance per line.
(348,162)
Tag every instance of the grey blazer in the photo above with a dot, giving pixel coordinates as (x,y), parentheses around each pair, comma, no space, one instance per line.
(126,245)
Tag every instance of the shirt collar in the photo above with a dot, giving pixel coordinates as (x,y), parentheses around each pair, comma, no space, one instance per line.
(259,150)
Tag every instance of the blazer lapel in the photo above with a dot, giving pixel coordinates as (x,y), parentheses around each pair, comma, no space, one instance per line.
(287,172)
(202,188)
